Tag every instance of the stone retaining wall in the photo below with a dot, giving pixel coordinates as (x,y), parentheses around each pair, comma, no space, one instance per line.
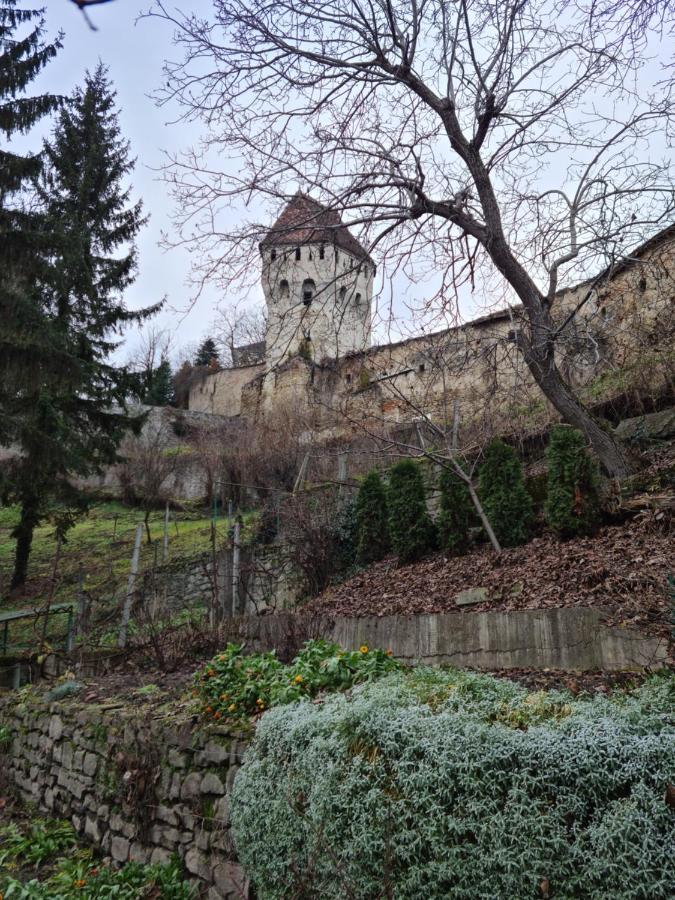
(567,638)
(570,638)
(138,786)
(267,580)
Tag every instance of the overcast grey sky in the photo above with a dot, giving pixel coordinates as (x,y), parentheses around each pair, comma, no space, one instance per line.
(134,52)
(134,49)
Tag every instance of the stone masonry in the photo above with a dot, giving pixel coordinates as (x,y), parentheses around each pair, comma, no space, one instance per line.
(139,786)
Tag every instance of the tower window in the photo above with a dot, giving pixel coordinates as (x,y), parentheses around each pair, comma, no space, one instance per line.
(273,254)
(284,289)
(308,291)
(422,367)
(357,299)
(297,253)
(322,251)
(343,294)
(337,256)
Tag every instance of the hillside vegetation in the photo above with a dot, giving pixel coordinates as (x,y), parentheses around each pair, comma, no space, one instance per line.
(99,545)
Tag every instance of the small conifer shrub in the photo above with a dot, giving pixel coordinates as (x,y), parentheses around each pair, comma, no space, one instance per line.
(456,514)
(506,501)
(372,525)
(413,534)
(572,505)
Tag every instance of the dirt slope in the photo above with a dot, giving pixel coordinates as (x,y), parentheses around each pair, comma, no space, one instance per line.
(623,569)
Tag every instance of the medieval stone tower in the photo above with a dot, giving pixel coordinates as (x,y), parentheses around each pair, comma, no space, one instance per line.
(318,285)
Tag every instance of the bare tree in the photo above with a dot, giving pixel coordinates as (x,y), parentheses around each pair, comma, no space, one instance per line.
(239,328)
(154,345)
(505,136)
(150,463)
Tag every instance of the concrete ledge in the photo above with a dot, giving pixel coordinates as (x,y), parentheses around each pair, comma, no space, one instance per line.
(573,639)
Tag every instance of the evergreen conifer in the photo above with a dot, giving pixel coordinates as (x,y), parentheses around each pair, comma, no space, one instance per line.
(572,506)
(207,354)
(159,386)
(456,513)
(372,525)
(71,423)
(25,346)
(506,502)
(413,534)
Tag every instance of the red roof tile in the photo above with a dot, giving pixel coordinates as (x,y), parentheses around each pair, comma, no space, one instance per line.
(306,221)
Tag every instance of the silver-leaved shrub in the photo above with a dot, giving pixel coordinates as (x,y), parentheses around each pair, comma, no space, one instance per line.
(438,785)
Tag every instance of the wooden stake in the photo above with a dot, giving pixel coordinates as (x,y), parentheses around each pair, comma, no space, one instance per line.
(235,567)
(165,554)
(126,611)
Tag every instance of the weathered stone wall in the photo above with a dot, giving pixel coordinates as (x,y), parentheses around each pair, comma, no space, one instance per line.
(566,638)
(220,393)
(620,341)
(573,639)
(267,581)
(140,786)
(177,585)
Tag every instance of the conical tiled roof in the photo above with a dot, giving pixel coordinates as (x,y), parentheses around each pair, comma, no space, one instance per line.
(306,221)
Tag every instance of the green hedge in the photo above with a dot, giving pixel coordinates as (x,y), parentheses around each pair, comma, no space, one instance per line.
(413,533)
(372,515)
(446,785)
(572,504)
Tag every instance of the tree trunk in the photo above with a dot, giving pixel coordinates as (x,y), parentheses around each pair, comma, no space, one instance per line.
(609,451)
(24,539)
(484,519)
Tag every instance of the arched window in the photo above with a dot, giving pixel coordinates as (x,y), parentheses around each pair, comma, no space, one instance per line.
(297,253)
(357,299)
(284,290)
(308,291)
(322,251)
(343,294)
(273,254)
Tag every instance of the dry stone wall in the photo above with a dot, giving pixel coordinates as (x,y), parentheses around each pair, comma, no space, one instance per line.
(139,785)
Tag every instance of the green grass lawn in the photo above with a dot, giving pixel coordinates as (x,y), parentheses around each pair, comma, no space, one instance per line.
(100,547)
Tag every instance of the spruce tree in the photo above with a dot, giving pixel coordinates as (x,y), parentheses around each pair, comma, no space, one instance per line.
(159,385)
(413,533)
(25,345)
(456,513)
(572,506)
(75,421)
(372,525)
(207,354)
(506,502)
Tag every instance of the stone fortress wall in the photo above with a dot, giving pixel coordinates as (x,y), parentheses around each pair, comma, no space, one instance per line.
(622,339)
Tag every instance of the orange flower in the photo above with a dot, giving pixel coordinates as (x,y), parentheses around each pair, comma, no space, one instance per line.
(216,715)
(363,648)
(298,679)
(390,652)
(80,883)
(209,709)
(232,707)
